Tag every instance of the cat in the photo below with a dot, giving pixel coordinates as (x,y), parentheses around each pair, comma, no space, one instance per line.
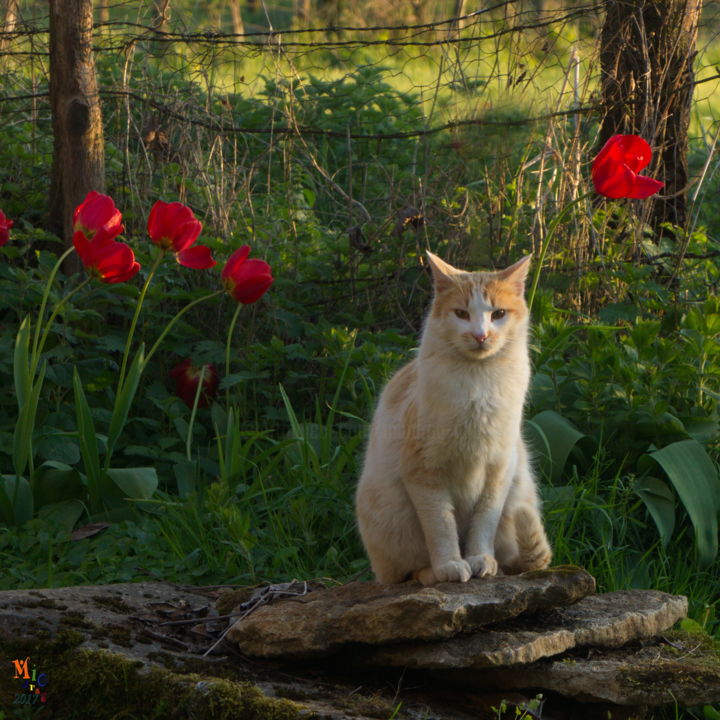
(447,492)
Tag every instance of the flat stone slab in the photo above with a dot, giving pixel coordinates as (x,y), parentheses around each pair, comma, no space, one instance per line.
(322,621)
(130,648)
(680,668)
(609,620)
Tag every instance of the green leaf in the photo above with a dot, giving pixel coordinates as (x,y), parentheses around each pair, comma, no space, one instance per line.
(660,502)
(62,515)
(186,474)
(21,363)
(17,501)
(88,442)
(54,482)
(25,425)
(123,401)
(136,483)
(57,445)
(561,437)
(695,479)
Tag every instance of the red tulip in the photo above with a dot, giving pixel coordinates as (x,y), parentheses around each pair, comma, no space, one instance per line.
(97,214)
(108,260)
(5,226)
(187,377)
(246,280)
(172,226)
(614,170)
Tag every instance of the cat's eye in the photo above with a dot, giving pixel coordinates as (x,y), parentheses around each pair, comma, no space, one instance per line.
(462,314)
(497,314)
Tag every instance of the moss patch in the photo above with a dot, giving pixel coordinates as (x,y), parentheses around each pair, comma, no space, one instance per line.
(113,603)
(686,660)
(100,684)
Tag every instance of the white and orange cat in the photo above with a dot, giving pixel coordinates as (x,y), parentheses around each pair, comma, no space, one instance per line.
(447,492)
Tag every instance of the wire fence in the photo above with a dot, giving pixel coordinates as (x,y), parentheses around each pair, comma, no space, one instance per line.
(469,129)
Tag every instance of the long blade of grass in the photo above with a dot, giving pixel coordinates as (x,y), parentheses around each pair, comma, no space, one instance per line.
(25,426)
(308,453)
(88,441)
(326,440)
(121,409)
(21,362)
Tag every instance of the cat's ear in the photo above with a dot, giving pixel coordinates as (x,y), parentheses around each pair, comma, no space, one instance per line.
(516,274)
(443,273)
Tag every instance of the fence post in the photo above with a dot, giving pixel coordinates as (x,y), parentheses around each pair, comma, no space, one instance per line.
(78,151)
(646,56)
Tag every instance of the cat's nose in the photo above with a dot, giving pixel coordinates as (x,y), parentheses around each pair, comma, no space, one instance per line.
(480,338)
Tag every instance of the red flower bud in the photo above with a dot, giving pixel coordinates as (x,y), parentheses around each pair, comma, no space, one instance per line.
(106,259)
(97,214)
(187,377)
(172,226)
(614,170)
(246,280)
(5,226)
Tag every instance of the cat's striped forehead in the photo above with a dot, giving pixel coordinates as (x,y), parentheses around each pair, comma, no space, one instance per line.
(485,291)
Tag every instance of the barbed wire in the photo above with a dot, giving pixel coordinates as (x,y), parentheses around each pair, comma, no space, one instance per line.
(375,118)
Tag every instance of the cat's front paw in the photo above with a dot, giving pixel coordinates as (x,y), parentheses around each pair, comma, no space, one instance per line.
(451,571)
(482,565)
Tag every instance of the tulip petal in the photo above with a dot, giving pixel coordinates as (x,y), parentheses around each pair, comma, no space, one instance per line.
(173,226)
(122,275)
(636,152)
(111,261)
(235,261)
(611,151)
(616,167)
(154,220)
(198,257)
(81,244)
(184,235)
(251,281)
(615,184)
(645,187)
(187,376)
(5,226)
(97,213)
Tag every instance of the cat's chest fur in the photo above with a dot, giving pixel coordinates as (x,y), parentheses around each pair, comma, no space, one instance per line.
(469,419)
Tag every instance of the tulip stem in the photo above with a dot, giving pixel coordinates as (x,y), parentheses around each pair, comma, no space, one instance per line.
(552,227)
(37,345)
(228,345)
(196,401)
(170,325)
(133,324)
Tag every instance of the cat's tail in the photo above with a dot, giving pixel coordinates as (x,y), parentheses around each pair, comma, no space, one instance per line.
(534,552)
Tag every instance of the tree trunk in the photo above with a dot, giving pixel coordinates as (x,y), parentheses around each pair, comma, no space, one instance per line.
(237,20)
(646,56)
(303,11)
(458,22)
(9,22)
(78,153)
